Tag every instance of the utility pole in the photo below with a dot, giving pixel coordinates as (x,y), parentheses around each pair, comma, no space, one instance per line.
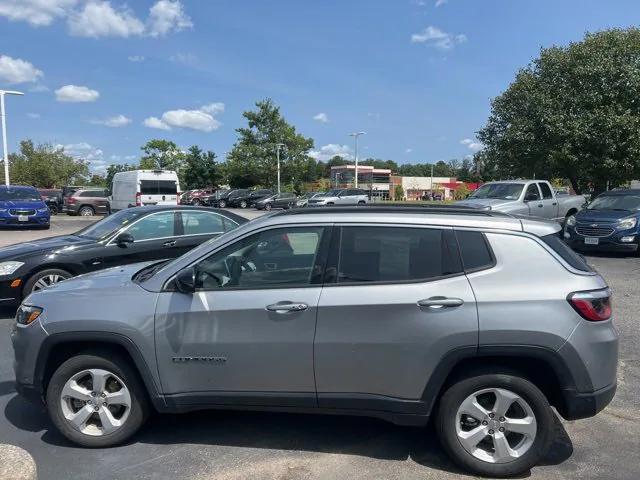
(355,135)
(4,132)
(432,196)
(278,147)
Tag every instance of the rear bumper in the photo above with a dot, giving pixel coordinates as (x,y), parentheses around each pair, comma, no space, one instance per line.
(584,405)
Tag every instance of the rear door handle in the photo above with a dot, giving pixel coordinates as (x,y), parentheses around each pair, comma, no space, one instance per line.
(285,307)
(170,243)
(436,303)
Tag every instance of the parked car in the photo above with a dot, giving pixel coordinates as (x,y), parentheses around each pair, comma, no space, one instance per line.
(137,188)
(194,197)
(69,189)
(279,200)
(405,314)
(340,196)
(53,199)
(609,223)
(128,236)
(248,198)
(87,202)
(22,206)
(212,199)
(225,198)
(525,197)
(303,200)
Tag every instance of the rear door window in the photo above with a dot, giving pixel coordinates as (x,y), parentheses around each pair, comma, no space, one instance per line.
(158,187)
(156,225)
(396,254)
(201,223)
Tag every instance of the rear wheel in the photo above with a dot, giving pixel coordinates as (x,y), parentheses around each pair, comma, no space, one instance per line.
(267,206)
(45,278)
(86,211)
(495,424)
(96,401)
(243,204)
(53,210)
(362,202)
(196,202)
(222,204)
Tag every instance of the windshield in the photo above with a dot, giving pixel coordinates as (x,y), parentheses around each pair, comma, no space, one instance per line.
(503,191)
(332,193)
(616,202)
(109,225)
(9,194)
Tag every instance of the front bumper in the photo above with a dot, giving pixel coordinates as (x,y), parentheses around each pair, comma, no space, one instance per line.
(27,342)
(611,243)
(10,295)
(14,221)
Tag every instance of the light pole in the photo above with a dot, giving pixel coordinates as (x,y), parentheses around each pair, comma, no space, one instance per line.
(432,196)
(278,147)
(356,135)
(4,132)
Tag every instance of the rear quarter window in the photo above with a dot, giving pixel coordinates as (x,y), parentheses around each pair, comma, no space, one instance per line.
(474,250)
(572,258)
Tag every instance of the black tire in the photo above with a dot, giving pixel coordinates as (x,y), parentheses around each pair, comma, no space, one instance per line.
(196,202)
(114,364)
(28,286)
(53,210)
(460,390)
(222,204)
(362,202)
(86,211)
(243,204)
(267,206)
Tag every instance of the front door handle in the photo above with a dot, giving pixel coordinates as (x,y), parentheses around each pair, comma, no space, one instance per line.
(437,303)
(285,307)
(170,243)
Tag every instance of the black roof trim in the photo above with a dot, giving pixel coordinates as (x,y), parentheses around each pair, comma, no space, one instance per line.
(622,192)
(391,208)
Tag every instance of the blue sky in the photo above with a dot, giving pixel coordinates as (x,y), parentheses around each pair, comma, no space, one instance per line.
(416,75)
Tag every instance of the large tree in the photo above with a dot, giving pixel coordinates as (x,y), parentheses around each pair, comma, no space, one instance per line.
(200,169)
(161,154)
(44,166)
(252,161)
(572,113)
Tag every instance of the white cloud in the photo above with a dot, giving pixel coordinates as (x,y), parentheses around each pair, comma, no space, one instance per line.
(83,151)
(167,16)
(36,12)
(321,117)
(327,152)
(472,145)
(188,59)
(136,58)
(122,158)
(435,37)
(155,122)
(16,70)
(408,150)
(100,19)
(202,119)
(439,3)
(75,93)
(114,122)
(33,115)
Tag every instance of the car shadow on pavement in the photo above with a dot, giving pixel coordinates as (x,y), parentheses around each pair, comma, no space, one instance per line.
(359,436)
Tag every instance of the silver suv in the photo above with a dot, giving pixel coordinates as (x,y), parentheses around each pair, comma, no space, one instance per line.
(341,196)
(476,319)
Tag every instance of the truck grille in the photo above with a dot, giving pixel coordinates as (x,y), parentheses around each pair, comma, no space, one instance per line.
(21,211)
(598,231)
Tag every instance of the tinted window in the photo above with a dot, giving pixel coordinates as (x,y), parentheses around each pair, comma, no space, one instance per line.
(568,255)
(93,193)
(109,225)
(546,190)
(287,195)
(279,257)
(199,223)
(158,187)
(157,225)
(475,251)
(389,254)
(532,192)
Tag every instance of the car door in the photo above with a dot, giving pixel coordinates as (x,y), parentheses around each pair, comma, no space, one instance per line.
(155,237)
(284,200)
(99,201)
(533,199)
(246,334)
(394,304)
(549,203)
(198,226)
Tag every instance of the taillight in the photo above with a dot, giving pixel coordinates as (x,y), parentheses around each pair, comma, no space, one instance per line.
(138,200)
(594,305)
(71,200)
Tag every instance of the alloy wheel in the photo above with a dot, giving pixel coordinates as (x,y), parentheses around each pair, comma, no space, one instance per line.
(95,402)
(47,281)
(496,425)
(86,212)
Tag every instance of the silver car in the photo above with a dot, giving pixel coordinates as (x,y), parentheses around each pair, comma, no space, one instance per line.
(340,196)
(474,319)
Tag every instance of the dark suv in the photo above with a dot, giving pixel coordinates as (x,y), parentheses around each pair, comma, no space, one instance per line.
(249,198)
(87,203)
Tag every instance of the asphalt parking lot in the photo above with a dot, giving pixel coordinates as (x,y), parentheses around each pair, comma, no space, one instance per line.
(235,445)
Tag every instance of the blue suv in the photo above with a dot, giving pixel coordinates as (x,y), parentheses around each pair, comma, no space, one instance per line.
(609,223)
(22,206)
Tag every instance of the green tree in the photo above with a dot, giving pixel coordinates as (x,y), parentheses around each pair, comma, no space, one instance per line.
(572,113)
(200,169)
(252,160)
(162,155)
(398,192)
(45,166)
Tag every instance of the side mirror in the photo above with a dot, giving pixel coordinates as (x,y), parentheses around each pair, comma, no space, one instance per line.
(124,239)
(186,280)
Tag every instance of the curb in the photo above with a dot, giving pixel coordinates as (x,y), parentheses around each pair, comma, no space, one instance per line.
(16,464)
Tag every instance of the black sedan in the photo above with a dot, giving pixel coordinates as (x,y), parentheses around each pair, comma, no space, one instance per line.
(128,236)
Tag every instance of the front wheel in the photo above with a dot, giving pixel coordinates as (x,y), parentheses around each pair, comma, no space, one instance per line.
(495,424)
(196,202)
(243,204)
(222,204)
(86,211)
(96,401)
(45,278)
(267,206)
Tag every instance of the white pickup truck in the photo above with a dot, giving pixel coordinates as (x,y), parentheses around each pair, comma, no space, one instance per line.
(534,198)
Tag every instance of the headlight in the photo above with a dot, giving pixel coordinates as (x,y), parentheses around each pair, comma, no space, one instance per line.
(27,314)
(3,210)
(7,268)
(626,223)
(43,210)
(571,221)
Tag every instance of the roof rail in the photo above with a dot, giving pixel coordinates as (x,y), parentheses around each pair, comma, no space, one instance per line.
(395,208)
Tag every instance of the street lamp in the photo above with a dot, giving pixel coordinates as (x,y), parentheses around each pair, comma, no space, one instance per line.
(356,135)
(4,132)
(278,147)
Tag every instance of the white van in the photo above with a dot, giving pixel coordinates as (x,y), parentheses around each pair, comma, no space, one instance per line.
(144,187)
